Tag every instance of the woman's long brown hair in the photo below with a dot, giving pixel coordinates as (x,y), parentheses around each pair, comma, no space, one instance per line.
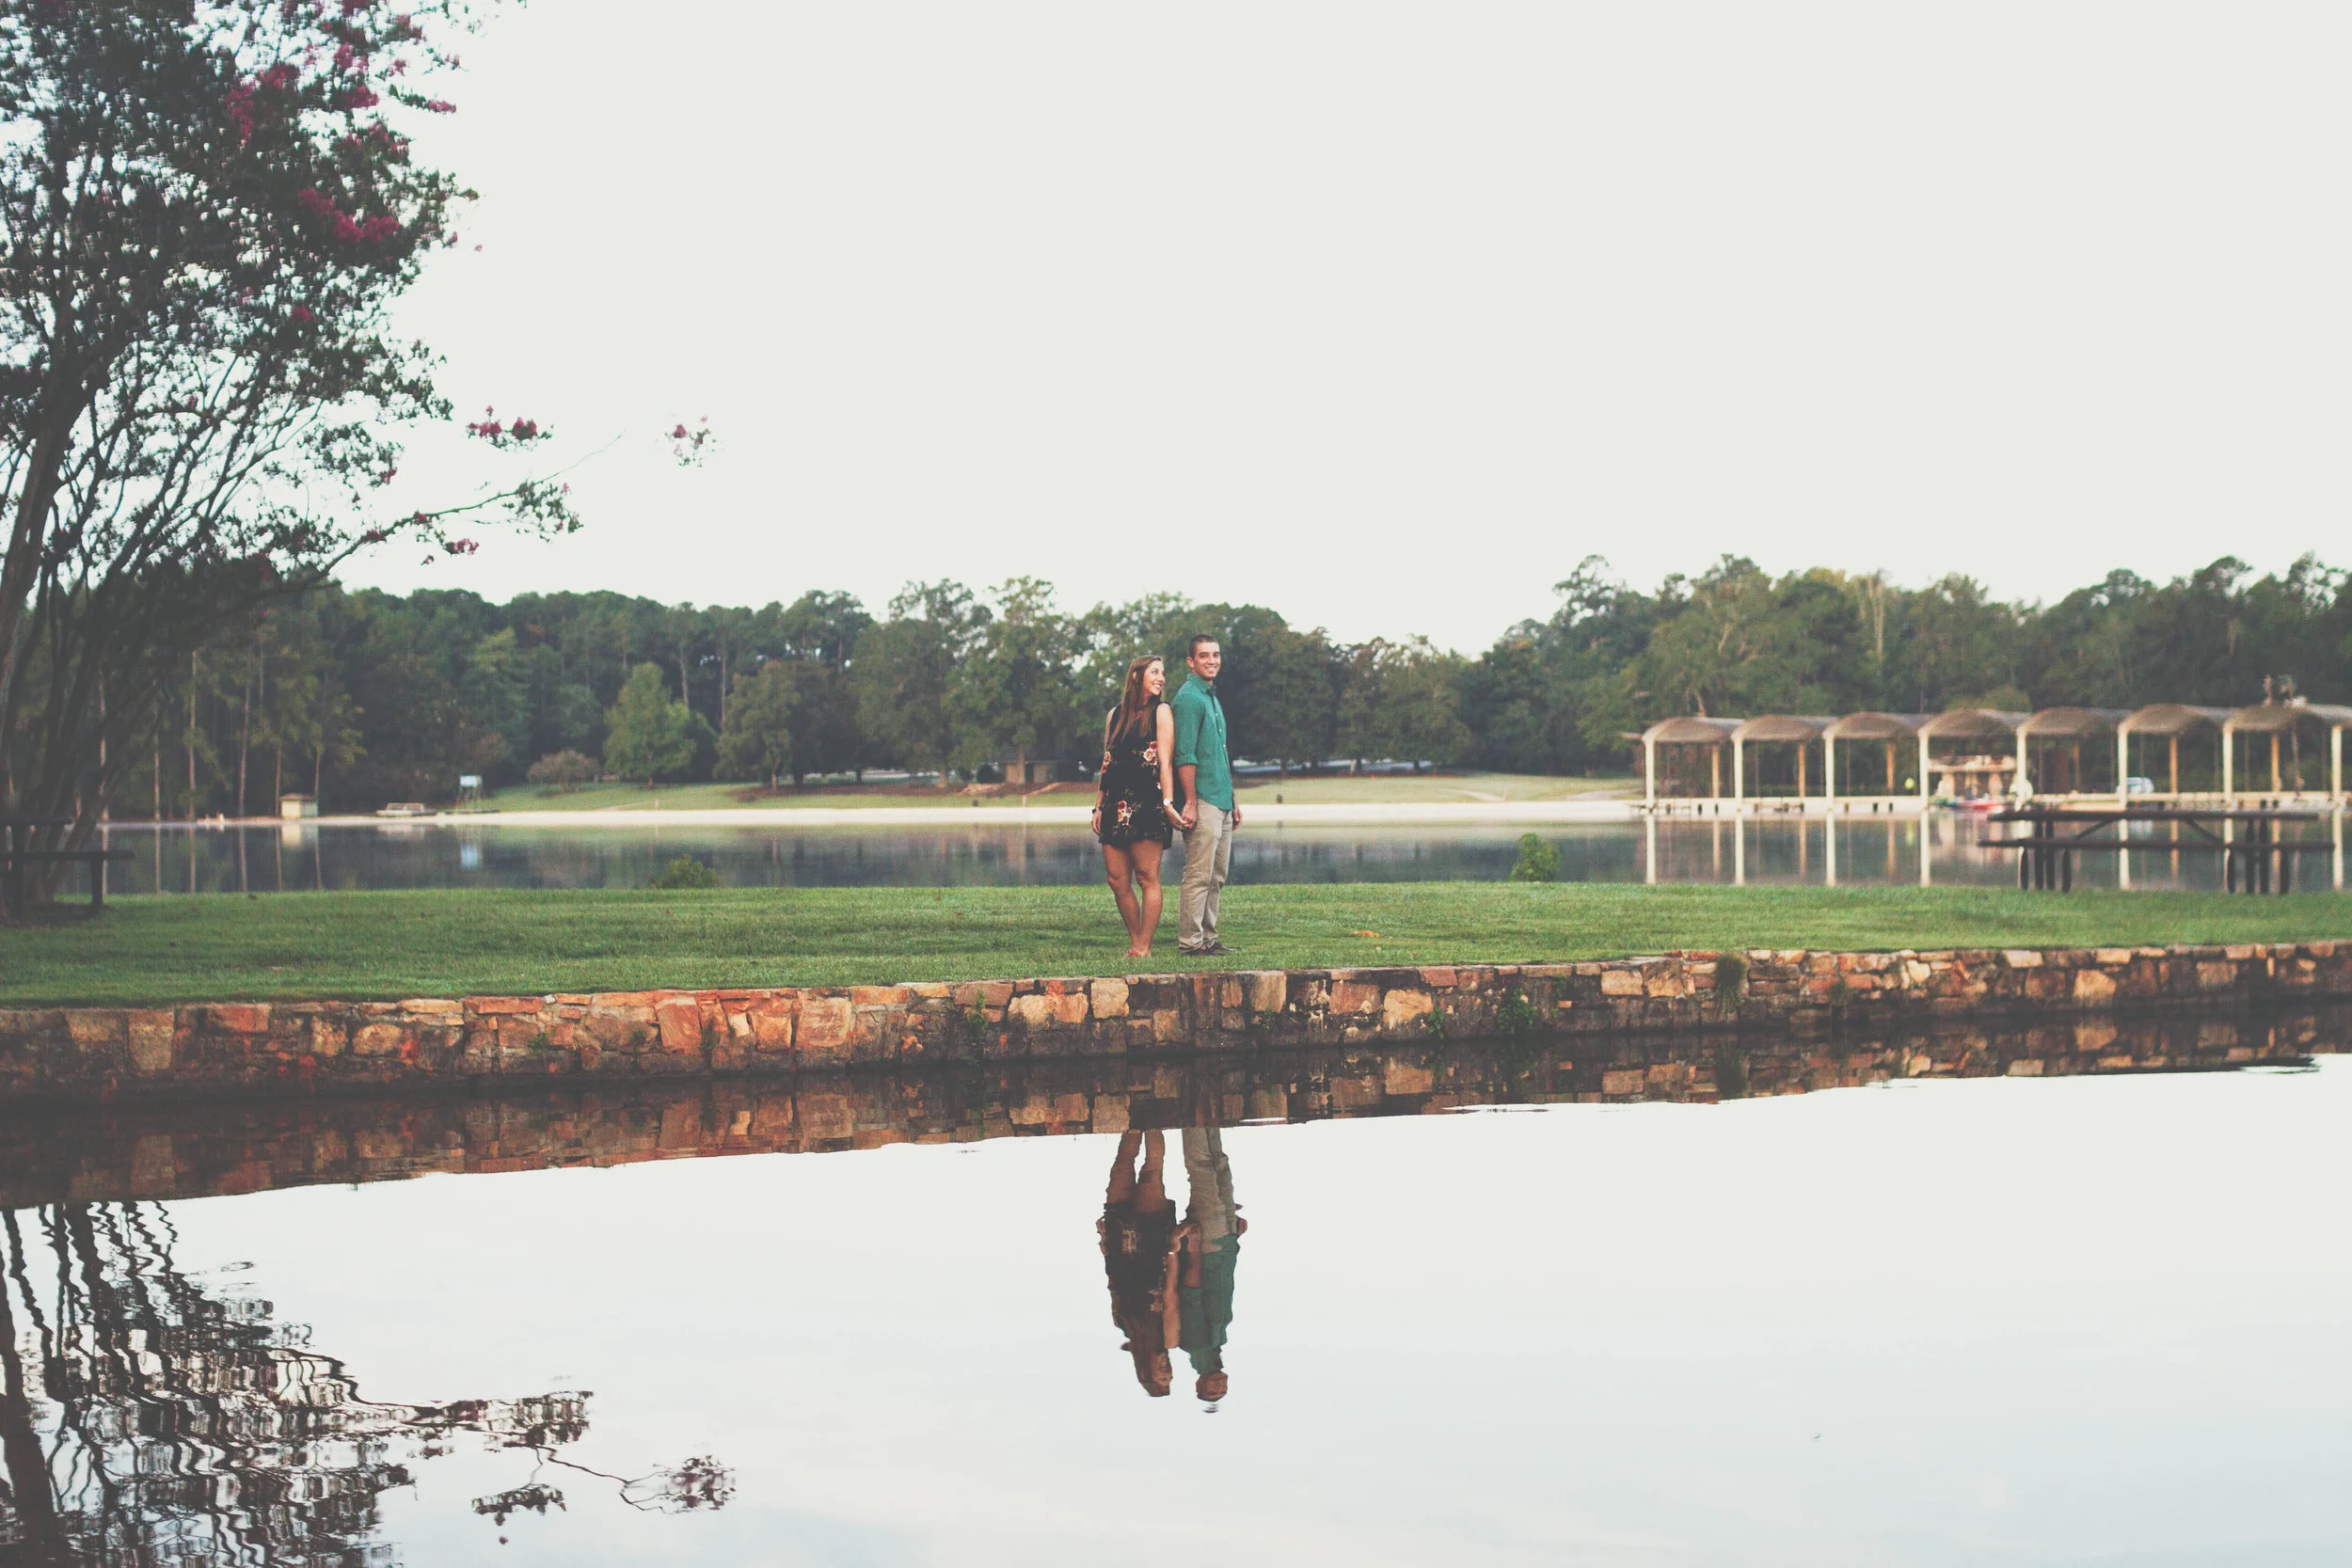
(1135,703)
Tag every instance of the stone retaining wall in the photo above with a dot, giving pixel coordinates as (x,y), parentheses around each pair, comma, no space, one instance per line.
(108,1052)
(163,1149)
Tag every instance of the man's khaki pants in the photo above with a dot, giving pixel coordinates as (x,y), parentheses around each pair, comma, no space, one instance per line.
(1208,850)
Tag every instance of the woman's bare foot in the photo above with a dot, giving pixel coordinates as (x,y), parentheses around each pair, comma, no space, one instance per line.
(1138,953)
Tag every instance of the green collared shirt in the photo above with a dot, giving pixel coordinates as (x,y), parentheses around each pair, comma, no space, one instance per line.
(1201,741)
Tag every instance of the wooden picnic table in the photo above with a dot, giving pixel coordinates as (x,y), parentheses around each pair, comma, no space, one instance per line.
(2046,858)
(17,854)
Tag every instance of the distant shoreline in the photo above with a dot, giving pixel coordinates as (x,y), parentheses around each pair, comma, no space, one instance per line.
(992,813)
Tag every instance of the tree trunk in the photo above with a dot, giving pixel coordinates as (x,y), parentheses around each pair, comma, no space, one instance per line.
(26,1464)
(191,740)
(245,734)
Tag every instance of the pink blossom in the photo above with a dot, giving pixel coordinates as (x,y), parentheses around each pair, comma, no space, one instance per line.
(460,546)
(241,110)
(439,107)
(302,313)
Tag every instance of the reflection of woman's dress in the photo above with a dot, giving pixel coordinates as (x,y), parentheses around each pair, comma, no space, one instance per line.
(1135,1247)
(1131,784)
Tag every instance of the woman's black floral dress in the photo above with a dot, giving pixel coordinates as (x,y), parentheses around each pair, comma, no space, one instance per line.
(1131,785)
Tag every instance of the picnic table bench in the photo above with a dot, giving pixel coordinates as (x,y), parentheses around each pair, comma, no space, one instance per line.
(17,855)
(2046,858)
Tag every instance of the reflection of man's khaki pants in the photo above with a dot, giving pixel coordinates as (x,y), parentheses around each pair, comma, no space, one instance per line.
(1211,1177)
(1208,850)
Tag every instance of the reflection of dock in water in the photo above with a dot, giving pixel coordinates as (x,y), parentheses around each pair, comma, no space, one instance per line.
(52,1155)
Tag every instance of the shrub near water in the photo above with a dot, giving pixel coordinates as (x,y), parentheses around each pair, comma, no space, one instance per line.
(1538,861)
(563,772)
(684,872)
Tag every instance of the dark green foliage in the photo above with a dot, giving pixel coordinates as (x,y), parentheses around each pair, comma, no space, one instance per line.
(1538,861)
(1517,1016)
(650,735)
(371,697)
(1731,978)
(684,872)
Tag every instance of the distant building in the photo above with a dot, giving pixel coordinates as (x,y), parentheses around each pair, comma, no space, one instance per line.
(1035,773)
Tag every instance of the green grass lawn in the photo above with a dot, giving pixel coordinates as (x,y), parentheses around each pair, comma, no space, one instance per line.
(1457,788)
(153,950)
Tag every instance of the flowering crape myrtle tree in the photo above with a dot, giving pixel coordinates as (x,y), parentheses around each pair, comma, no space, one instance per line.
(209,207)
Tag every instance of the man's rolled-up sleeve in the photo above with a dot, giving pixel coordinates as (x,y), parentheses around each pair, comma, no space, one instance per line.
(1188,718)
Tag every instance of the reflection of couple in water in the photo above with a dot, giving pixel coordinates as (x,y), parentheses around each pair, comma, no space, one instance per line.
(1172,1285)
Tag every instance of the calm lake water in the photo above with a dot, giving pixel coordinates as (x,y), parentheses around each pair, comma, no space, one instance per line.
(1857,850)
(2004,1321)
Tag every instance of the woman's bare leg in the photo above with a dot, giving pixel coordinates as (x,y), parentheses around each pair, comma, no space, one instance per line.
(1122,1185)
(1118,866)
(1150,1190)
(1145,856)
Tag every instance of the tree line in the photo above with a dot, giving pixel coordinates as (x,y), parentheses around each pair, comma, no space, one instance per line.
(361,696)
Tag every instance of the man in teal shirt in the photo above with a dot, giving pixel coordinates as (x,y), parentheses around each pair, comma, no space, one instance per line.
(1204,782)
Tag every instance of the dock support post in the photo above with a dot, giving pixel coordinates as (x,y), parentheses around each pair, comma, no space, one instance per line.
(1739,771)
(1923,784)
(2229,744)
(1649,770)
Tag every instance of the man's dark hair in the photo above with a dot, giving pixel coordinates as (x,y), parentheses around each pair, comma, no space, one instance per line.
(1193,647)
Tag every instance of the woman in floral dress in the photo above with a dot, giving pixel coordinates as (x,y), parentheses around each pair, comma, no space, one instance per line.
(1135,801)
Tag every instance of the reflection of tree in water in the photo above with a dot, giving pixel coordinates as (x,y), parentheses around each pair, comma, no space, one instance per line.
(145,1421)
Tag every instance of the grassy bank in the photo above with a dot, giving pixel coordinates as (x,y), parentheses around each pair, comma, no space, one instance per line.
(154,950)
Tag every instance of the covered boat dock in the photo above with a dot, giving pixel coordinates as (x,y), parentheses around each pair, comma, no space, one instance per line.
(1863,761)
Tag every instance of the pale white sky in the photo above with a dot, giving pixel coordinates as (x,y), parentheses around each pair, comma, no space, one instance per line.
(1386,315)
